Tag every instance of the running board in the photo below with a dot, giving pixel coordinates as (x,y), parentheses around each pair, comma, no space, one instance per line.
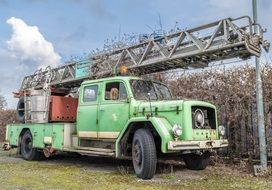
(92,151)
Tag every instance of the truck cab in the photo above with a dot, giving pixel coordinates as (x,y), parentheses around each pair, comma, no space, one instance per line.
(126,117)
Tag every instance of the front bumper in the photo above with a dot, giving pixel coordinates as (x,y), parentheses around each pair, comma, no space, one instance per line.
(195,145)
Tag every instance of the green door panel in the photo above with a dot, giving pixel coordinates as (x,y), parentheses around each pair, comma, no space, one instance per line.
(47,130)
(37,131)
(58,136)
(112,118)
(12,135)
(87,111)
(113,113)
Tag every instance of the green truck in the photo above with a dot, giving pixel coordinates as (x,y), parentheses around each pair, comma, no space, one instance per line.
(61,110)
(127,118)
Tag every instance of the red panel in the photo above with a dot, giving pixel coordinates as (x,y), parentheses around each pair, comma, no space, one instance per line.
(63,108)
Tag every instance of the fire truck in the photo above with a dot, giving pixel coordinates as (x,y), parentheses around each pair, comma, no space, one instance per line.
(102,107)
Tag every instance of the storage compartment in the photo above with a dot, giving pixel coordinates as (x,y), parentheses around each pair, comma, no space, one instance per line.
(37,106)
(63,108)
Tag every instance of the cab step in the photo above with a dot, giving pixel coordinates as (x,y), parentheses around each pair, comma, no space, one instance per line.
(92,151)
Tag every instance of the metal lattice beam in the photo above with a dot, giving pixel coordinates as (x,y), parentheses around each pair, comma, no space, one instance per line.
(194,48)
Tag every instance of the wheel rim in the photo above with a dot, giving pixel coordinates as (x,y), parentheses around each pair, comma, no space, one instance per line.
(28,145)
(137,153)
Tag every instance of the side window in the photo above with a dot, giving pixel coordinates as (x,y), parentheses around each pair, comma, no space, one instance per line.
(123,92)
(115,91)
(90,93)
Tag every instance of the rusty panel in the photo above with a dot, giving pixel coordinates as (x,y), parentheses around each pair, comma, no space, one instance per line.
(63,108)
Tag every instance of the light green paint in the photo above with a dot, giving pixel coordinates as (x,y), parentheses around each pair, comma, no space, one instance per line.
(103,115)
(38,131)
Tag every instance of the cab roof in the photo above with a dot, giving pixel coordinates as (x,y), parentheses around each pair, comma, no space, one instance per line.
(111,78)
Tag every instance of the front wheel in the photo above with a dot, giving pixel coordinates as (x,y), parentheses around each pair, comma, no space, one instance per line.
(27,150)
(144,154)
(197,162)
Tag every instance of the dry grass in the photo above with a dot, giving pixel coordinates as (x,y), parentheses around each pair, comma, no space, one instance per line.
(83,173)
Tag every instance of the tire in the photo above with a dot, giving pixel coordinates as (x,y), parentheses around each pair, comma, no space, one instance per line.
(144,156)
(20,111)
(197,162)
(27,150)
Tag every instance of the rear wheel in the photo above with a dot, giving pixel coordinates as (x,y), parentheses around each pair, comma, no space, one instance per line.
(197,162)
(27,150)
(144,155)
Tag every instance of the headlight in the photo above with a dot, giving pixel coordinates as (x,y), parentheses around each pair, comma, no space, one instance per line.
(199,118)
(222,130)
(177,130)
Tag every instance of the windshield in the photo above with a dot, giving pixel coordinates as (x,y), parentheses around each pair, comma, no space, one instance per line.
(141,88)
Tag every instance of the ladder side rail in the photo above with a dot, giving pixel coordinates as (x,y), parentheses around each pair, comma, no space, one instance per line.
(177,49)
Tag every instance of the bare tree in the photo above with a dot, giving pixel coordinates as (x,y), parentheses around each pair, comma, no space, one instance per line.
(2,102)
(232,90)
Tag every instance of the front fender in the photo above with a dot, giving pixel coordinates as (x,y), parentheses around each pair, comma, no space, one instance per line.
(161,125)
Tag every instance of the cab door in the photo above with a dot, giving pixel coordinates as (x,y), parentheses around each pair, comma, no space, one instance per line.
(87,111)
(113,111)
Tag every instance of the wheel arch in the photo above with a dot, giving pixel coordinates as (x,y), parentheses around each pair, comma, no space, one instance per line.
(160,131)
(23,131)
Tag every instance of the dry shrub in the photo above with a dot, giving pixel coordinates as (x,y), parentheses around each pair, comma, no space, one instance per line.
(233,92)
(6,117)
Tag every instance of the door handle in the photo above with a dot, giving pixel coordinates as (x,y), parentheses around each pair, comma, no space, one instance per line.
(101,109)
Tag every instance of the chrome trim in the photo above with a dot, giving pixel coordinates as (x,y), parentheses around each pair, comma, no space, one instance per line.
(193,145)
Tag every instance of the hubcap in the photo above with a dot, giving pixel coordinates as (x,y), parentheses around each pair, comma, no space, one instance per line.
(28,144)
(137,153)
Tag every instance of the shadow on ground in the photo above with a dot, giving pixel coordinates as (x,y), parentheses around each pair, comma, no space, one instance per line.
(107,164)
(102,164)
(73,171)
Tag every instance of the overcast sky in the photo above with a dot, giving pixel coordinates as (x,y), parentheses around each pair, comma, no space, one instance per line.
(34,33)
